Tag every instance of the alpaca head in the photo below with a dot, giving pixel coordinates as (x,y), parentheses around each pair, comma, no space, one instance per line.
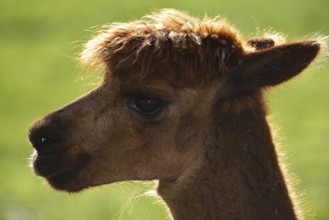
(166,79)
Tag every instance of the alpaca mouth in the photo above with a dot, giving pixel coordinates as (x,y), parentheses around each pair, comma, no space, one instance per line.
(57,171)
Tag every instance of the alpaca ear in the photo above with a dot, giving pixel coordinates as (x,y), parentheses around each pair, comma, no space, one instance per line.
(274,65)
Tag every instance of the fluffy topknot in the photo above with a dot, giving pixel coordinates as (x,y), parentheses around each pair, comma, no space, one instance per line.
(205,45)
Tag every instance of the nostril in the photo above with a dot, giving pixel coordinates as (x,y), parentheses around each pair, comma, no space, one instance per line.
(47,134)
(41,141)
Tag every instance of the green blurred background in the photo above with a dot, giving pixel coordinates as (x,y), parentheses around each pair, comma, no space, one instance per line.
(38,42)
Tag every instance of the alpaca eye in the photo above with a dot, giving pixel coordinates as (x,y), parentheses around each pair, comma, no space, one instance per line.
(145,105)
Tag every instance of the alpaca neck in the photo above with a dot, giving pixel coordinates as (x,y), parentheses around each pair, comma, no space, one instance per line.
(240,177)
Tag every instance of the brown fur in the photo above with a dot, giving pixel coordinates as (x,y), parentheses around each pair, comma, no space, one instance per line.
(209,145)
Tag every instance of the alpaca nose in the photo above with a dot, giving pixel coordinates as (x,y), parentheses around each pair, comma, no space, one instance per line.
(45,135)
(42,142)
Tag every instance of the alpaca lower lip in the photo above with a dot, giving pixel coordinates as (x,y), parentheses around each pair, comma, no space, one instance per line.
(44,166)
(50,166)
(63,180)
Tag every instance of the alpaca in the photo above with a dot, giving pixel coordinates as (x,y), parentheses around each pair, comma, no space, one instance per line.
(181,102)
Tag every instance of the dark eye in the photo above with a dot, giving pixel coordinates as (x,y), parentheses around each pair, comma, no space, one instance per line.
(145,105)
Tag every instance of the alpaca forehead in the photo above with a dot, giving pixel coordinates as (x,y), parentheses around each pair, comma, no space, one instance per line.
(152,86)
(172,91)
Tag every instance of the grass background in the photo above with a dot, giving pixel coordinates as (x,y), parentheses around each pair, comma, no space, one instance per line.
(38,40)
